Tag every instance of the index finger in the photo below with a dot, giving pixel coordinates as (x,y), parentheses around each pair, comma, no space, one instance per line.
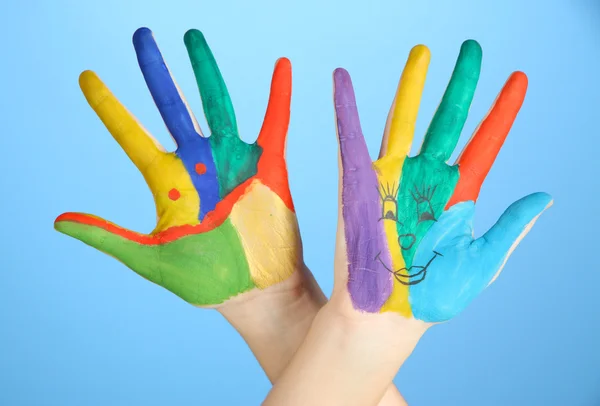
(137,143)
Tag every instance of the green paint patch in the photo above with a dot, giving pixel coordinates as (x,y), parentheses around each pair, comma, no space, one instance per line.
(202,269)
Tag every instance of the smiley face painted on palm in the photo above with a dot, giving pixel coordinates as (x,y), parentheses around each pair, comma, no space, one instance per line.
(408,220)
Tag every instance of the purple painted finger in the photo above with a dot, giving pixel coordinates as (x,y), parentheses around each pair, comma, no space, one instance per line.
(369,282)
(354,151)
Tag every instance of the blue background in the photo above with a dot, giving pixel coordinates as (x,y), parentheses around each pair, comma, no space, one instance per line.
(78,328)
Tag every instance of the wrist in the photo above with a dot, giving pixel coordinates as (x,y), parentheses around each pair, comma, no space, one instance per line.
(347,358)
(388,329)
(385,338)
(275,320)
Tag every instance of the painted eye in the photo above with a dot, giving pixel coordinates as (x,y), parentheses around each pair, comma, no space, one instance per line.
(390,210)
(389,202)
(422,197)
(426,216)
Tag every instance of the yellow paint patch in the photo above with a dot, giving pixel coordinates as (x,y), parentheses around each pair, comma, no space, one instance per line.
(269,234)
(400,131)
(163,175)
(388,173)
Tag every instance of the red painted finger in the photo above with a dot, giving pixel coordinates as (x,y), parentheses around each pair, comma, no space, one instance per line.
(277,118)
(480,153)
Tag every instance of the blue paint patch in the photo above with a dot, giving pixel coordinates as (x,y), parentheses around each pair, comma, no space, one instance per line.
(461,267)
(192,148)
(207,184)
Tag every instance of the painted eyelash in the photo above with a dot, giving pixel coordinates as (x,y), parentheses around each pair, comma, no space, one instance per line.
(424,196)
(390,193)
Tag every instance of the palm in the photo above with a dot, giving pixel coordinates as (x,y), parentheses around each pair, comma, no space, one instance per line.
(226,220)
(412,249)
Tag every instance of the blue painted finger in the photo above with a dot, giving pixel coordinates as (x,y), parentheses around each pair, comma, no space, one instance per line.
(173,109)
(194,151)
(501,240)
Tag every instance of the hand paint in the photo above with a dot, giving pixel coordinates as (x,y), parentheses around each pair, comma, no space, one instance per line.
(408,220)
(226,221)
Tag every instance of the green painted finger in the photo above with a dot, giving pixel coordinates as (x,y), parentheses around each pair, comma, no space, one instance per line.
(93,231)
(451,115)
(215,98)
(203,269)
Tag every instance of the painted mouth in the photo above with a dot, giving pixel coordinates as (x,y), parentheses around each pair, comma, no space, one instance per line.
(410,276)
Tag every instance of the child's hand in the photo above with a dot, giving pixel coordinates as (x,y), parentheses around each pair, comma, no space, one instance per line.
(226,221)
(408,244)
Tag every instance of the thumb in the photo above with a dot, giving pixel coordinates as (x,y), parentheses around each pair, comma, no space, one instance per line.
(501,240)
(131,248)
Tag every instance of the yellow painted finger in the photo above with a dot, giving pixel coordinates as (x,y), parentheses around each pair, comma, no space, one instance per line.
(137,143)
(406,103)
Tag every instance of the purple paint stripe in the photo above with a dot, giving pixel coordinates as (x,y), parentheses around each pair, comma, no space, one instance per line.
(369,283)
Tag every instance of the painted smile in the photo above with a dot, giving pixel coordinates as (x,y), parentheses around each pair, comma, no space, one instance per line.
(404,275)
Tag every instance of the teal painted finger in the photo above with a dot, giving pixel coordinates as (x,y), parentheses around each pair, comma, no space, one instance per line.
(235,160)
(215,98)
(203,269)
(451,115)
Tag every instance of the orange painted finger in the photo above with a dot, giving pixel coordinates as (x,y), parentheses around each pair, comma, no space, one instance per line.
(277,118)
(480,153)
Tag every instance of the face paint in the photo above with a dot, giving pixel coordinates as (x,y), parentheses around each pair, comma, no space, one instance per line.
(425,205)
(226,221)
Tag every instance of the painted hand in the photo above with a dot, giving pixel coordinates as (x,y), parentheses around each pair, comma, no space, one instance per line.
(226,221)
(408,220)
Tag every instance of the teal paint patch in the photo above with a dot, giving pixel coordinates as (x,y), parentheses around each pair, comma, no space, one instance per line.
(426,186)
